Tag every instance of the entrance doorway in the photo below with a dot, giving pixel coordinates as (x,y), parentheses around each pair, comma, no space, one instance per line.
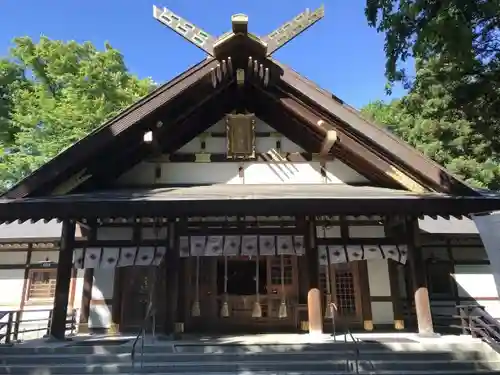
(242,277)
(273,287)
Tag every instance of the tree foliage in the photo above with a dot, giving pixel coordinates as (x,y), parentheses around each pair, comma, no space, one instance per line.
(52,94)
(452,110)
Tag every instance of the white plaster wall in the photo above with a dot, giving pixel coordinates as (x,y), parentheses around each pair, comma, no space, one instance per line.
(378,279)
(102,289)
(100,316)
(44,256)
(275,171)
(13,257)
(11,284)
(477,281)
(367,231)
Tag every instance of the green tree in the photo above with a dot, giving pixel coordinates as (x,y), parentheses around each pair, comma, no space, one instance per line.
(52,94)
(452,110)
(427,119)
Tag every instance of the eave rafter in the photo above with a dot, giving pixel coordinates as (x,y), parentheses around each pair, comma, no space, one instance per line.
(345,142)
(387,146)
(70,162)
(206,104)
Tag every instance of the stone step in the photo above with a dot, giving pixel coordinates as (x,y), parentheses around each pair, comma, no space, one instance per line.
(409,372)
(125,347)
(454,372)
(99,358)
(332,366)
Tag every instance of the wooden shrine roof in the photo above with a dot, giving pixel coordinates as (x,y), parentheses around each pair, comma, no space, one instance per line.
(182,103)
(300,199)
(67,186)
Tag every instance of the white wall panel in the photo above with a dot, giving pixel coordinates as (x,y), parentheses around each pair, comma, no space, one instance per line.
(366,231)
(115,233)
(102,287)
(282,173)
(11,284)
(13,257)
(380,286)
(100,316)
(44,256)
(338,173)
(475,281)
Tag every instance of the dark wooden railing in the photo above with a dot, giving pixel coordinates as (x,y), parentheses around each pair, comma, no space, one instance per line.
(11,324)
(478,323)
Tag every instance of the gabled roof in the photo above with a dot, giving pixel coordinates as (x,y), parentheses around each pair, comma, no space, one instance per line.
(202,94)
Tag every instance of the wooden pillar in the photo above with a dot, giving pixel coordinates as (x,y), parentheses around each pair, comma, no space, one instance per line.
(172,262)
(181,295)
(63,279)
(419,279)
(364,289)
(397,307)
(88,281)
(314,310)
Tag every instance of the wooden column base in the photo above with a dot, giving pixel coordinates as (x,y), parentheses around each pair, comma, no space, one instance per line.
(399,325)
(314,312)
(423,310)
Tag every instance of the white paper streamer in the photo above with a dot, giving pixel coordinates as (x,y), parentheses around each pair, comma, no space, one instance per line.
(354,253)
(92,257)
(214,246)
(109,258)
(267,245)
(159,254)
(145,256)
(337,254)
(249,246)
(127,256)
(78,258)
(232,245)
(197,245)
(184,246)
(298,244)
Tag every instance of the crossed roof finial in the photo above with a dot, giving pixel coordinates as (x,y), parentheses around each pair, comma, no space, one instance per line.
(273,41)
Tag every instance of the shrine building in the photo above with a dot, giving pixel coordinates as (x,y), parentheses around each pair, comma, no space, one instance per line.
(242,197)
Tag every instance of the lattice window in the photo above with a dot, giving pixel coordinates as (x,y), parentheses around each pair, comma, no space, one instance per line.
(345,291)
(276,270)
(42,284)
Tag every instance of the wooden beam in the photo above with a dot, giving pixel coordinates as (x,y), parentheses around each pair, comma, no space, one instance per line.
(400,153)
(345,141)
(314,305)
(63,280)
(77,156)
(419,280)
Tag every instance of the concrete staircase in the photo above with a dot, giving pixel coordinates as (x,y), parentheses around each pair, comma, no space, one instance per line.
(457,355)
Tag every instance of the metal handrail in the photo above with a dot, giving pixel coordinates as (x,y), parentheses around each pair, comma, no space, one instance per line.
(150,313)
(354,340)
(478,323)
(14,322)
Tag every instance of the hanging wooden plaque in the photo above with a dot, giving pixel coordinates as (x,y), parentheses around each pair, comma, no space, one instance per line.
(240,130)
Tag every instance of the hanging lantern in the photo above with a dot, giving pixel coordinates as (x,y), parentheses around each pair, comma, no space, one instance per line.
(282,312)
(196,310)
(257,308)
(224,311)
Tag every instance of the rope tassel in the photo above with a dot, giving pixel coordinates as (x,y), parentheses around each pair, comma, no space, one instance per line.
(282,312)
(257,308)
(224,311)
(196,310)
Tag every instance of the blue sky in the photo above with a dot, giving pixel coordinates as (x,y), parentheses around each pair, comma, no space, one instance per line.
(341,53)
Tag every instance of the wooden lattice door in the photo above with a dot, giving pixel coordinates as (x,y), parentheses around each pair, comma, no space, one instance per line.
(135,296)
(344,290)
